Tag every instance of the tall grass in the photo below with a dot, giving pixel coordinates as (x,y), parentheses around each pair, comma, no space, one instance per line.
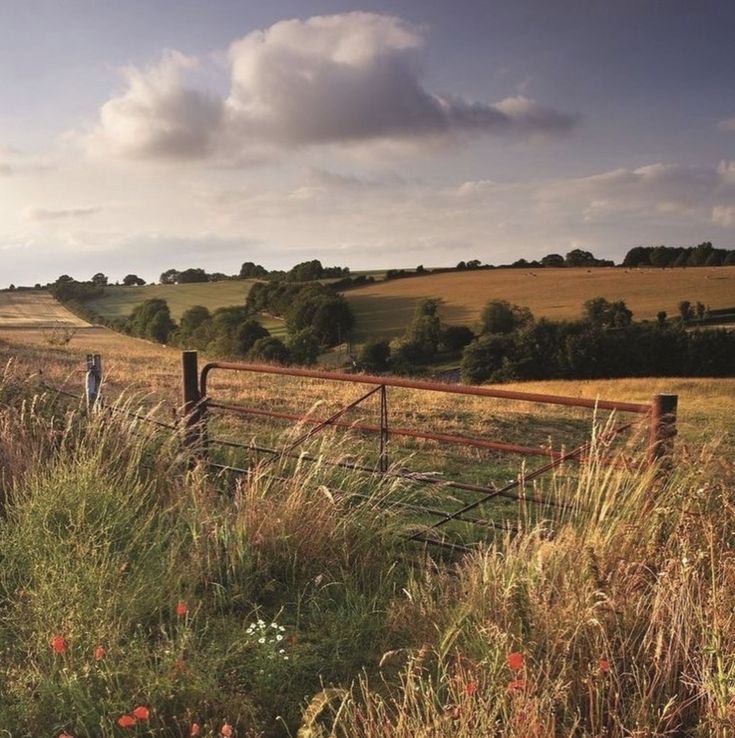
(285,602)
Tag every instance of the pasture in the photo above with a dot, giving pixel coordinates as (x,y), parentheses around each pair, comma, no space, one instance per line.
(385,309)
(118,302)
(288,601)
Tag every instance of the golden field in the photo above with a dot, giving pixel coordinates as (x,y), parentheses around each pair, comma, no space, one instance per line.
(385,309)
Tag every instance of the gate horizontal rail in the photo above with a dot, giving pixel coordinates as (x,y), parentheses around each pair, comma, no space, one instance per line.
(660,415)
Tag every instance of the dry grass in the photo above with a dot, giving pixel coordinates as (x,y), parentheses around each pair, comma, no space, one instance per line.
(386,308)
(21,309)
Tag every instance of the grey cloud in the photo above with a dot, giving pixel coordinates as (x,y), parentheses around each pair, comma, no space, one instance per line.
(41,214)
(339,79)
(727,125)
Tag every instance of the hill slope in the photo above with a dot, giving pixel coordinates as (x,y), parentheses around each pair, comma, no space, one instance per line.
(385,309)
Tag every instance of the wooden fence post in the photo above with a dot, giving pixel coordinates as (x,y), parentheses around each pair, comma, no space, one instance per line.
(192,403)
(93,380)
(663,429)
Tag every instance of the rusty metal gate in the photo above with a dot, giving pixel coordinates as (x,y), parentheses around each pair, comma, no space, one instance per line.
(659,415)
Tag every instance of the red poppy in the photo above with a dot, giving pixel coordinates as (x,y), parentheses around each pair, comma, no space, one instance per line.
(64,735)
(195,729)
(604,665)
(99,653)
(59,644)
(515,660)
(126,721)
(470,688)
(141,712)
(226,730)
(181,608)
(516,685)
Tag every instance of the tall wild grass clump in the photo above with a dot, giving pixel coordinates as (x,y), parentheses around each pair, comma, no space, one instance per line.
(135,590)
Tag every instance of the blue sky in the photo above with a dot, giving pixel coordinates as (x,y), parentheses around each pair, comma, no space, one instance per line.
(141,135)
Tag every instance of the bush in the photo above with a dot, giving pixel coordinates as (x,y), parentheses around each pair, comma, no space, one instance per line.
(271,350)
(374,356)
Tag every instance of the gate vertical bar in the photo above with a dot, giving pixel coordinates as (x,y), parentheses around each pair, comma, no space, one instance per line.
(192,403)
(663,429)
(383,461)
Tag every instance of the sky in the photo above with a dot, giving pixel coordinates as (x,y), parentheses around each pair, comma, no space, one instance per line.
(142,135)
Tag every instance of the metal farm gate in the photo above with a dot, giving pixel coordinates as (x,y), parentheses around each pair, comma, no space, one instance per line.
(198,404)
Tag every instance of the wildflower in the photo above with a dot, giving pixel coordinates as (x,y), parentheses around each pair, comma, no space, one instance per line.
(64,735)
(195,729)
(126,721)
(515,660)
(59,644)
(516,685)
(141,712)
(470,688)
(181,608)
(99,653)
(226,730)
(604,665)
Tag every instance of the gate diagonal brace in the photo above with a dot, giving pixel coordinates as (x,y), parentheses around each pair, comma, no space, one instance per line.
(316,429)
(528,477)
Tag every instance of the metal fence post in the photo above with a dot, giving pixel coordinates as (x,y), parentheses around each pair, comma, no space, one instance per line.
(93,380)
(192,403)
(663,429)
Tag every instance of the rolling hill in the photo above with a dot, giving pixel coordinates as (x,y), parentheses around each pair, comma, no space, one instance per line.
(384,309)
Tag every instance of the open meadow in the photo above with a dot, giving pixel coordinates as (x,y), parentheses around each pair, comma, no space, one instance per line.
(291,601)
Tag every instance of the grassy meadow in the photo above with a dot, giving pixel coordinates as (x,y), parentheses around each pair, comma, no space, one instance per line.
(386,308)
(118,302)
(138,589)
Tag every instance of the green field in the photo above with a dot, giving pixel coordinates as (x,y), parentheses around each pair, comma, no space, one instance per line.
(385,309)
(118,302)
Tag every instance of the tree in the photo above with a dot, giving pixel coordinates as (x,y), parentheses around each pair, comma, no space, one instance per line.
(425,330)
(580,258)
(191,276)
(500,316)
(270,349)
(605,314)
(374,356)
(193,317)
(306,271)
(686,311)
(170,276)
(552,260)
(304,347)
(133,280)
(152,319)
(250,270)
(455,337)
(247,334)
(99,280)
(483,359)
(699,254)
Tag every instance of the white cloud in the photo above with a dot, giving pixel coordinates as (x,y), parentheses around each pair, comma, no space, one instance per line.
(724,215)
(339,79)
(158,115)
(727,125)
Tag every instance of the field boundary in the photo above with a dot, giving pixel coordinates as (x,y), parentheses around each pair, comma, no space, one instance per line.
(198,404)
